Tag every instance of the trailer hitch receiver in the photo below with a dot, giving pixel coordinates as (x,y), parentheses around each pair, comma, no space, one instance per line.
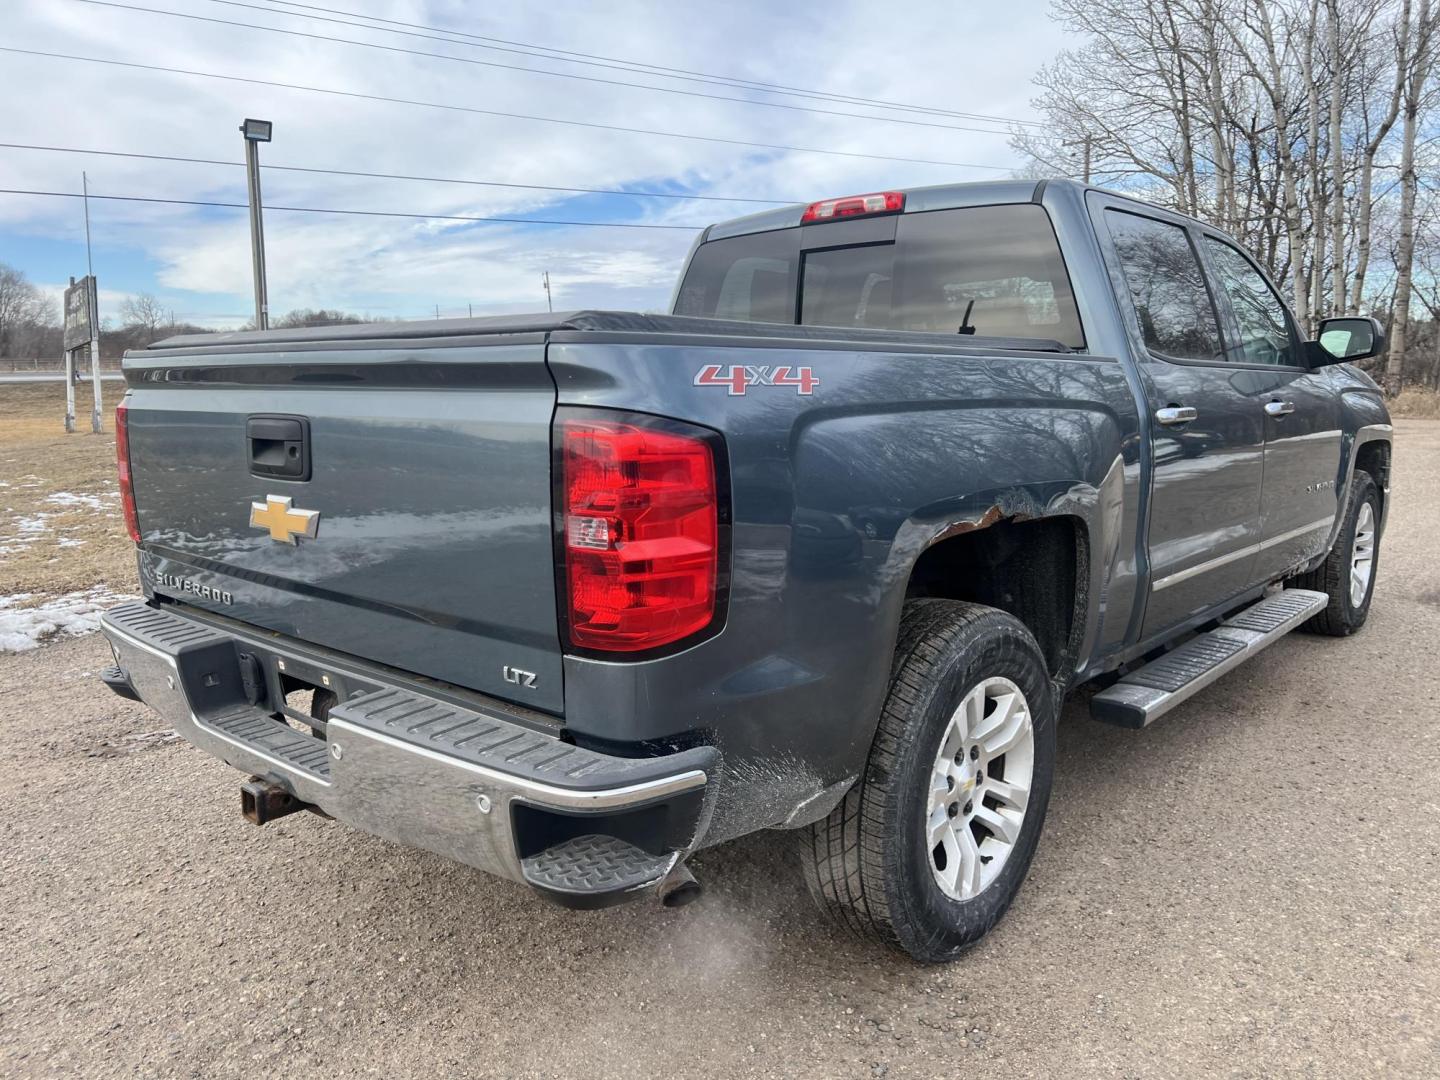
(262,801)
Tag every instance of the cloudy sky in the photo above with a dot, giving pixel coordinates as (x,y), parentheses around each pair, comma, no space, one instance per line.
(955,58)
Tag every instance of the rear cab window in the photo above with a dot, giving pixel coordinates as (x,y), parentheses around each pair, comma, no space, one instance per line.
(991,271)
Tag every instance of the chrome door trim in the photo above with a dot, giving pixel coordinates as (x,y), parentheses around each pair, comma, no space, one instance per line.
(1241,553)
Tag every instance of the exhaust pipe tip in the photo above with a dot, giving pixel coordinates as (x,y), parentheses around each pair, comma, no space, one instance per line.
(678,887)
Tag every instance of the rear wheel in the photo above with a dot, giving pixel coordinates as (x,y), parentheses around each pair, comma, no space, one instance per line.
(929,848)
(1347,576)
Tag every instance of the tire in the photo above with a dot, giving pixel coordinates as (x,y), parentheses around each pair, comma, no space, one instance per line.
(871,865)
(1343,615)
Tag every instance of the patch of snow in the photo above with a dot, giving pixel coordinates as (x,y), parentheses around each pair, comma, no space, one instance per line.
(68,541)
(25,628)
(66,498)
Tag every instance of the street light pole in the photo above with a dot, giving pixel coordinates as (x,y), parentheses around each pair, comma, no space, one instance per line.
(256,132)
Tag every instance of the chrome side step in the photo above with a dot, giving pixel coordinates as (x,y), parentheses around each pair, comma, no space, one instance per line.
(1149,693)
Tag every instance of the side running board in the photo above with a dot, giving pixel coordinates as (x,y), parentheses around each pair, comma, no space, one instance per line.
(1150,692)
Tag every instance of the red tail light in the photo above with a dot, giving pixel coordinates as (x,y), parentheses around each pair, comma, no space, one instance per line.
(880,202)
(122,466)
(641,532)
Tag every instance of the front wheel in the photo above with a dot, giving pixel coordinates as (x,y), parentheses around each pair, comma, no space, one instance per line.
(929,848)
(1347,576)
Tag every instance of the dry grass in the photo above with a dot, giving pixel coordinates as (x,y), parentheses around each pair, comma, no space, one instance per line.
(60,524)
(1414,402)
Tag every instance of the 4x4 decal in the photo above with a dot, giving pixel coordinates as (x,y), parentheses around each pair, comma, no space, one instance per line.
(737,378)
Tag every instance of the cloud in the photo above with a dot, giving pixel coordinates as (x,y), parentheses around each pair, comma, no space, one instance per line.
(199,258)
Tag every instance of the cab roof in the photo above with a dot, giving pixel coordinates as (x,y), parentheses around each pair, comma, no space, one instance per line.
(917,200)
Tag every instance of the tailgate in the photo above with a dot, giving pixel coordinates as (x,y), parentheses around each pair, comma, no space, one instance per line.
(429,470)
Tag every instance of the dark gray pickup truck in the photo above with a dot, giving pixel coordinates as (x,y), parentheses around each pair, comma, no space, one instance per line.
(567,597)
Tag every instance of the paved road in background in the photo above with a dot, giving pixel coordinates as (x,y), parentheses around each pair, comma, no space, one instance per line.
(54,376)
(1249,888)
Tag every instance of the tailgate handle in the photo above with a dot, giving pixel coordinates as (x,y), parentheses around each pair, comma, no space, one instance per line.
(279,447)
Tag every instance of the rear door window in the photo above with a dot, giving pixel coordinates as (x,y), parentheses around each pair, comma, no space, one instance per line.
(1167,287)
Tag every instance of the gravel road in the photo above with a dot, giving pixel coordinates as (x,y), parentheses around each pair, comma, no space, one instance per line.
(1250,888)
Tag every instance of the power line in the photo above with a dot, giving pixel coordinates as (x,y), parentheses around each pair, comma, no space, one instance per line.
(530,71)
(356,213)
(399,176)
(494,112)
(607,63)
(616,64)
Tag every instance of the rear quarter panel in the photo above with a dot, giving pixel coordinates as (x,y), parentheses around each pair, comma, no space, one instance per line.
(835,495)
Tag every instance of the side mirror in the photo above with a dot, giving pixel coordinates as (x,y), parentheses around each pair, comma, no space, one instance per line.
(1343,340)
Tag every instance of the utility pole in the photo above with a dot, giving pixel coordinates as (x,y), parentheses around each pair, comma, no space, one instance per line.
(1085,150)
(70,370)
(95,406)
(256,132)
(549,301)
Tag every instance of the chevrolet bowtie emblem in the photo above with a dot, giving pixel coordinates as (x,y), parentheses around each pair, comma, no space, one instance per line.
(285,524)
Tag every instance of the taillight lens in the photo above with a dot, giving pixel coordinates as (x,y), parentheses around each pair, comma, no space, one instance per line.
(122,467)
(641,532)
(879,202)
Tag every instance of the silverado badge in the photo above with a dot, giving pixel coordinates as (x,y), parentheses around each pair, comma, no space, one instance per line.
(285,524)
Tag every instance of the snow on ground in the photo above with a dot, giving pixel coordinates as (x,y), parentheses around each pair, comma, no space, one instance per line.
(34,527)
(92,502)
(23,628)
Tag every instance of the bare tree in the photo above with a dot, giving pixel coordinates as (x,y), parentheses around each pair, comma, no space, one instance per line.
(144,315)
(1416,85)
(22,307)
(1279,120)
(1376,136)
(313,317)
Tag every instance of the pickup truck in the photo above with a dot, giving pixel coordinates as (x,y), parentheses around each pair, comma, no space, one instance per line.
(567,597)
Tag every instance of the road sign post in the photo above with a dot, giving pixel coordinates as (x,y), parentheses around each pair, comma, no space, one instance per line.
(69,391)
(82,327)
(96,407)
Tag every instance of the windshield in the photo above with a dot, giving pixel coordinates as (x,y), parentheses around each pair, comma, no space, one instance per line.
(989,270)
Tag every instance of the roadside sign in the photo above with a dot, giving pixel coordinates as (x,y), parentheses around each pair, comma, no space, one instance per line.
(82,328)
(79,313)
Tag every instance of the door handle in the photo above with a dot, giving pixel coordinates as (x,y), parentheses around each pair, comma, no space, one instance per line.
(1279,408)
(279,447)
(1171,415)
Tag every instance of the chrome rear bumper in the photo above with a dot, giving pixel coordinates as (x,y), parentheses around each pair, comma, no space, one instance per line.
(468,781)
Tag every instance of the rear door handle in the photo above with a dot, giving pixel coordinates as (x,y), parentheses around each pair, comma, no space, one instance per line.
(1171,415)
(1279,408)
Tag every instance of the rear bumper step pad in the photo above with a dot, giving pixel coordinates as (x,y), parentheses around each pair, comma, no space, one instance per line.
(1144,695)
(594,871)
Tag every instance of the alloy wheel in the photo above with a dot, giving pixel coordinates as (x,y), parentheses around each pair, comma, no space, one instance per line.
(1362,555)
(979,788)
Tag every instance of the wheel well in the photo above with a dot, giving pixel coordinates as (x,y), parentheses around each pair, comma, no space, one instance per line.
(1374,458)
(1035,570)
